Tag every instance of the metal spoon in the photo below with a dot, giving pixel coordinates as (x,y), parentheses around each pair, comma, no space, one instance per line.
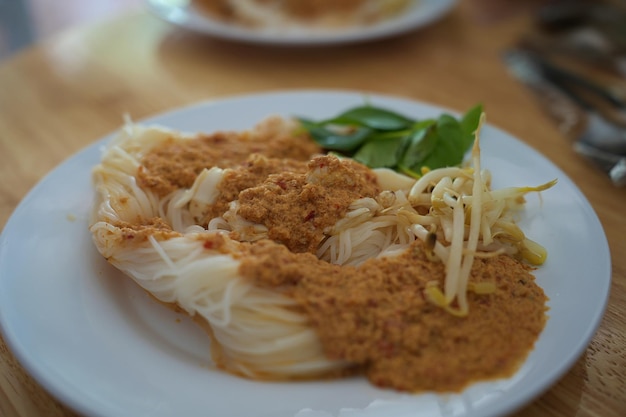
(594,137)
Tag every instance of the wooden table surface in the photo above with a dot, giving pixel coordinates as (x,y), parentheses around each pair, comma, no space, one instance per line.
(71,90)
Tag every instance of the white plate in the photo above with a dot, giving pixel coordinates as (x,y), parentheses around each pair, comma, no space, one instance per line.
(187,15)
(102,346)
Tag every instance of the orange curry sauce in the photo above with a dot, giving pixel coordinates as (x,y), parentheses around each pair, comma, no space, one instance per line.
(374,315)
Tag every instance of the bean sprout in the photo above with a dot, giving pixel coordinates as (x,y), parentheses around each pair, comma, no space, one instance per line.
(471,221)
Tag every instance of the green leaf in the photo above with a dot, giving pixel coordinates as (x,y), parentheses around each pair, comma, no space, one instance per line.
(373,118)
(381,152)
(331,140)
(379,137)
(420,144)
(469,123)
(451,146)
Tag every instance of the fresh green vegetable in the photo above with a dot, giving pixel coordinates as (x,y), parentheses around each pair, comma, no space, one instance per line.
(381,138)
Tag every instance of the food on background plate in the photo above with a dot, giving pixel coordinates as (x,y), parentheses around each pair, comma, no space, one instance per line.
(311,13)
(303,257)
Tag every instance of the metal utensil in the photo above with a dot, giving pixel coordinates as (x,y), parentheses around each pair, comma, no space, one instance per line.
(594,137)
(587,31)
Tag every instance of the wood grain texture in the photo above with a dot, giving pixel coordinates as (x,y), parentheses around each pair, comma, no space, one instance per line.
(66,93)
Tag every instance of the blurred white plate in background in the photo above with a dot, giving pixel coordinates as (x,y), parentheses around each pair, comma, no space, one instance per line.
(186,14)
